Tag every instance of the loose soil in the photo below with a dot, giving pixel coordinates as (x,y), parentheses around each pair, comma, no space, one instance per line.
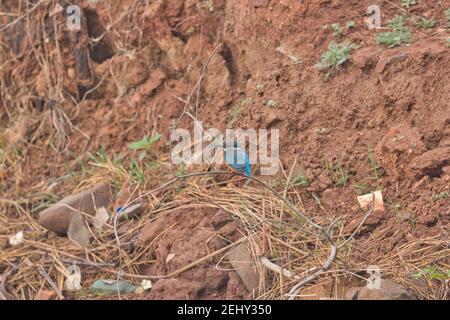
(381,122)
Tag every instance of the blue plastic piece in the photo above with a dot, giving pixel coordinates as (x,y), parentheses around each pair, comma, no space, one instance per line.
(112,286)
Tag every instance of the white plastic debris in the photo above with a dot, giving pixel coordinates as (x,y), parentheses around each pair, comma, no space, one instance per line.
(146,285)
(16,239)
(73,281)
(100,218)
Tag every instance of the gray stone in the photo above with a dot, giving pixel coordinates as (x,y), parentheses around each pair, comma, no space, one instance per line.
(241,260)
(58,216)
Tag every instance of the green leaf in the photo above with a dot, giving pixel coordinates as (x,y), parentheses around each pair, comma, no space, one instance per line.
(146,143)
(154,139)
(141,144)
(433,273)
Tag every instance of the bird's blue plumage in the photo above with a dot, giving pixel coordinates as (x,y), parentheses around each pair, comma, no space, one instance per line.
(238,159)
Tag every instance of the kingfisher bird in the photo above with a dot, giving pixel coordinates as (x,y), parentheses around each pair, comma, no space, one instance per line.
(236,158)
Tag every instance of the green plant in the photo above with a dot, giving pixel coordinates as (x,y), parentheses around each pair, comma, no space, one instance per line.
(426,24)
(397,23)
(181,170)
(440,196)
(190,30)
(377,171)
(145,144)
(408,3)
(136,172)
(336,55)
(399,35)
(300,180)
(208,4)
(272,103)
(394,207)
(432,272)
(44,200)
(100,157)
(351,24)
(337,173)
(337,28)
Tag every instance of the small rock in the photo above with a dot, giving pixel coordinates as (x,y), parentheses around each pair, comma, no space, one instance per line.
(322,182)
(402,139)
(386,61)
(57,217)
(365,58)
(230,231)
(220,219)
(365,201)
(431,162)
(389,291)
(156,78)
(241,260)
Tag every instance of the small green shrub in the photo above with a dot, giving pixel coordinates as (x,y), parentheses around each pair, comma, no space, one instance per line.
(408,3)
(397,23)
(145,144)
(433,273)
(272,103)
(351,25)
(337,173)
(398,36)
(336,55)
(440,196)
(426,24)
(337,28)
(301,180)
